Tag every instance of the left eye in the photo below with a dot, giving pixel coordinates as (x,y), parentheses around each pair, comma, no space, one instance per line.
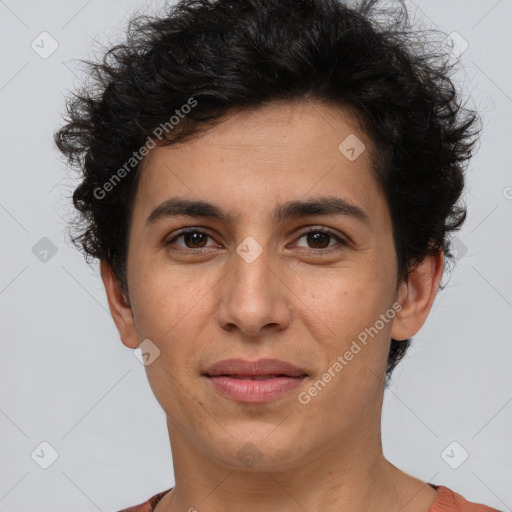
(321,237)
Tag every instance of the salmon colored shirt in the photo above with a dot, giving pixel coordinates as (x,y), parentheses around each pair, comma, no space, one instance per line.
(446,501)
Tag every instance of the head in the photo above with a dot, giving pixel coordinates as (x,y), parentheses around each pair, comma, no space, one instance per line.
(237,111)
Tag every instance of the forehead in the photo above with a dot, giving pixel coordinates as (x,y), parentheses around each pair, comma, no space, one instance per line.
(255,159)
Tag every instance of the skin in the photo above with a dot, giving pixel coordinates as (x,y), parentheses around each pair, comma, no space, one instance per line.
(287,304)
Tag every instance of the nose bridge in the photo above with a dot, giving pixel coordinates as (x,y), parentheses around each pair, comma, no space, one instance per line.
(251,273)
(250,296)
(251,264)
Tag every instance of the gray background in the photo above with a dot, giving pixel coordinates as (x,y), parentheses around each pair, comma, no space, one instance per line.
(67,379)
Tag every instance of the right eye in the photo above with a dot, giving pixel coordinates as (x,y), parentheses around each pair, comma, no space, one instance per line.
(193,239)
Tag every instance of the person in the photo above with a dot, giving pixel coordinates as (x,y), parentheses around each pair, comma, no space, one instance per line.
(270,187)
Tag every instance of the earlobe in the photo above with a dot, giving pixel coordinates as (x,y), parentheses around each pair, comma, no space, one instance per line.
(119,306)
(417,296)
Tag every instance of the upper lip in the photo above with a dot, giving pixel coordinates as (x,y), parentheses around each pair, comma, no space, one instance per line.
(259,367)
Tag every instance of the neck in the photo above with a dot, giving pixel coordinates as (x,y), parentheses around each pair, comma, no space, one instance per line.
(348,474)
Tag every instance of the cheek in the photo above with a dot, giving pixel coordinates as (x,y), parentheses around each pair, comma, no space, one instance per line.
(173,309)
(170,312)
(341,302)
(350,306)
(161,296)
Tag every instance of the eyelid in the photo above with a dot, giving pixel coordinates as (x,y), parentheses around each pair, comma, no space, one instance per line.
(342,239)
(192,229)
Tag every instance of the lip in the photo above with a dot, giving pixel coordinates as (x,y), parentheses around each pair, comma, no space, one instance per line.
(254,381)
(245,367)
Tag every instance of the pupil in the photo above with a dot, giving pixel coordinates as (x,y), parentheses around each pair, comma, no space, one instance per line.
(189,236)
(316,238)
(313,238)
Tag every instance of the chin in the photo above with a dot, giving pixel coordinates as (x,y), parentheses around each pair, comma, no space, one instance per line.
(258,451)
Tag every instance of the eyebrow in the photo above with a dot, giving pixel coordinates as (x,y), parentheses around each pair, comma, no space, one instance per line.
(322,206)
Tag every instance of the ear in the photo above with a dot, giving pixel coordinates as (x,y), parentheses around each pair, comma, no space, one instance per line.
(119,308)
(417,296)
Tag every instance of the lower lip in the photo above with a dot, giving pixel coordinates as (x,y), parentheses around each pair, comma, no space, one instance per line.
(254,391)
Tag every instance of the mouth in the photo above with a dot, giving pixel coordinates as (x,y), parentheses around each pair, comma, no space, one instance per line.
(241,368)
(257,377)
(254,381)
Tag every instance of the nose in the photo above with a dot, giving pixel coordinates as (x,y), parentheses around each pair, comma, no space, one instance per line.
(253,297)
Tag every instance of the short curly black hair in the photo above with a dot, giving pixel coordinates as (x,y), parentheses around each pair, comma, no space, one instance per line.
(228,55)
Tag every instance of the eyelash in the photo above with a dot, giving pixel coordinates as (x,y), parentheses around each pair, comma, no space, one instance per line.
(326,231)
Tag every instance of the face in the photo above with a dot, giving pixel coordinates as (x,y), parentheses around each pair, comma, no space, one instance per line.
(257,282)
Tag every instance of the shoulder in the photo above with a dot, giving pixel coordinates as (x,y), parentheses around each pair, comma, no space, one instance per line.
(449,501)
(149,505)
(446,501)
